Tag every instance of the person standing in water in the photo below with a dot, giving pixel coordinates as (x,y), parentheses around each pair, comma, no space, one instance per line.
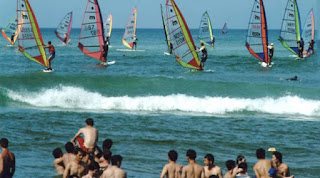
(52,53)
(65,38)
(105,51)
(301,48)
(213,40)
(203,49)
(12,37)
(135,39)
(7,160)
(271,51)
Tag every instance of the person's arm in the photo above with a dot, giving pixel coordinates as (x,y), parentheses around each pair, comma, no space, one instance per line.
(13,165)
(256,172)
(164,171)
(220,173)
(66,173)
(183,175)
(77,135)
(1,164)
(57,161)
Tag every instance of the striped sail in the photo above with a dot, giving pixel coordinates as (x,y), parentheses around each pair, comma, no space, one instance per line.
(257,37)
(308,29)
(165,28)
(108,26)
(182,42)
(91,40)
(30,39)
(10,29)
(130,30)
(205,30)
(64,28)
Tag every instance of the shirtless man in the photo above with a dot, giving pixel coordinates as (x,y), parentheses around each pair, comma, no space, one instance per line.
(115,168)
(77,168)
(58,161)
(105,165)
(231,166)
(93,170)
(282,168)
(69,156)
(192,170)
(210,168)
(262,167)
(172,169)
(90,137)
(7,160)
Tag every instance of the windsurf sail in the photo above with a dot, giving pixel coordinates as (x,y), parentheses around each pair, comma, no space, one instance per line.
(290,32)
(11,29)
(29,39)
(64,28)
(224,28)
(205,30)
(182,42)
(257,37)
(165,28)
(130,30)
(308,29)
(108,26)
(91,40)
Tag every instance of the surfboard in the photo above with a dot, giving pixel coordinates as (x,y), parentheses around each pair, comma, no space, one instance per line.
(131,50)
(263,64)
(48,71)
(166,53)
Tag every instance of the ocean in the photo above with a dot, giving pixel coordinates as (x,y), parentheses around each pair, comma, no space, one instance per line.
(148,104)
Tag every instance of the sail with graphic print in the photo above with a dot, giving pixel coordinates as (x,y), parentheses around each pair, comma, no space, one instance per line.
(11,30)
(205,30)
(64,28)
(291,27)
(108,26)
(130,31)
(308,30)
(257,37)
(224,28)
(91,40)
(182,42)
(29,39)
(165,28)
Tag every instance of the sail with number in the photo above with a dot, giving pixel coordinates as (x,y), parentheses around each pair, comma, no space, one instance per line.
(224,28)
(308,29)
(205,30)
(130,30)
(182,42)
(64,28)
(108,26)
(257,37)
(29,39)
(165,28)
(91,40)
(290,32)
(10,29)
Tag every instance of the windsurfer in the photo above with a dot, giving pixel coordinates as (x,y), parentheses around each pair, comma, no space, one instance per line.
(135,39)
(203,49)
(12,37)
(213,39)
(52,53)
(301,46)
(295,78)
(171,48)
(311,46)
(65,38)
(105,51)
(271,50)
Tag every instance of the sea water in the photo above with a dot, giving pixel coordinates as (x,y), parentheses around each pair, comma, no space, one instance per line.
(148,104)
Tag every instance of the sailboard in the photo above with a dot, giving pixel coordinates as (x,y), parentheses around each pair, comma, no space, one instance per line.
(91,40)
(290,32)
(165,28)
(182,42)
(29,39)
(308,30)
(64,28)
(225,28)
(257,37)
(10,29)
(108,26)
(130,30)
(205,30)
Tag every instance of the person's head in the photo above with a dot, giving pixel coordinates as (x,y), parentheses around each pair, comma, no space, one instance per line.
(4,143)
(240,159)
(89,121)
(244,167)
(295,77)
(116,160)
(107,155)
(208,159)
(301,39)
(79,153)
(261,153)
(230,164)
(107,144)
(57,153)
(49,42)
(271,44)
(173,155)
(94,167)
(69,147)
(201,44)
(272,172)
(191,154)
(277,157)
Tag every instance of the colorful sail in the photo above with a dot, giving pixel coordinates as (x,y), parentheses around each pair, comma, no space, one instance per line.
(64,28)
(182,42)
(30,39)
(10,29)
(91,40)
(291,27)
(165,28)
(108,26)
(205,30)
(130,30)
(224,28)
(308,29)
(257,37)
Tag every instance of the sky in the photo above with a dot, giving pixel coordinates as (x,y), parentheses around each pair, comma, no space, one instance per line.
(236,13)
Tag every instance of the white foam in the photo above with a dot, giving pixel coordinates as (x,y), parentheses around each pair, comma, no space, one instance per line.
(75,98)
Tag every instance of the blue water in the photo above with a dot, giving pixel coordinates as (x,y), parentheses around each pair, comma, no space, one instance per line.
(148,104)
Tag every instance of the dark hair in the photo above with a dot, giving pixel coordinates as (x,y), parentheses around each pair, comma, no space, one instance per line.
(69,147)
(278,155)
(261,153)
(107,144)
(57,153)
(115,159)
(4,142)
(210,157)
(77,150)
(94,166)
(191,154)
(244,166)
(107,154)
(49,42)
(239,158)
(230,164)
(89,121)
(213,176)
(173,155)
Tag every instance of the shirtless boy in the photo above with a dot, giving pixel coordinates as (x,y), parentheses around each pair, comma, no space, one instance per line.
(192,170)
(209,168)
(69,156)
(172,169)
(77,168)
(262,167)
(282,168)
(58,161)
(116,163)
(7,160)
